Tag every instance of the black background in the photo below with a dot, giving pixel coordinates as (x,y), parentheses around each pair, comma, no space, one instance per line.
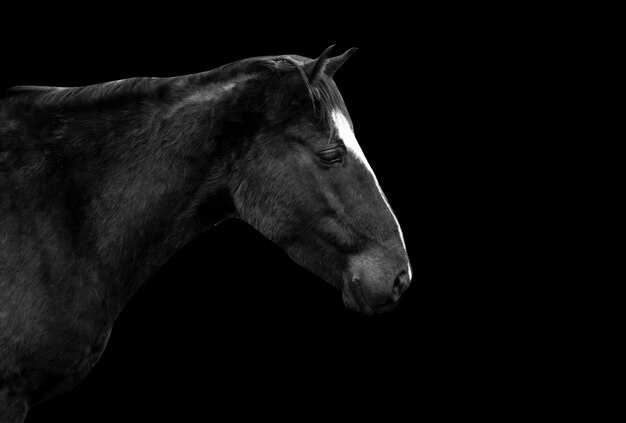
(230,324)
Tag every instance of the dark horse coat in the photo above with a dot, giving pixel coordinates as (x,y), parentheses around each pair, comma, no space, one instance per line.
(100,185)
(97,191)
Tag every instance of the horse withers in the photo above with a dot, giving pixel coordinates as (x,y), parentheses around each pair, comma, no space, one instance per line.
(101,185)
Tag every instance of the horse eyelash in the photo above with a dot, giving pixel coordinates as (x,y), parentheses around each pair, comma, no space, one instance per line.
(335,141)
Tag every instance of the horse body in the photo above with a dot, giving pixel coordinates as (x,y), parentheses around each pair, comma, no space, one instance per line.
(101,185)
(94,200)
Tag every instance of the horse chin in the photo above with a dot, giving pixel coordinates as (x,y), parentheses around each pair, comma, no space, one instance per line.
(354,298)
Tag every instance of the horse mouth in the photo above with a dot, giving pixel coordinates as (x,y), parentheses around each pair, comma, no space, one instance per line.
(354,297)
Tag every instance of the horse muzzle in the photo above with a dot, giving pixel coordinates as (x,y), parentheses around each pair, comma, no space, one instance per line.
(373,285)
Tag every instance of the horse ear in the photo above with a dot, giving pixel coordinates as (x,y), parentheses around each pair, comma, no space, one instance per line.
(315,68)
(336,62)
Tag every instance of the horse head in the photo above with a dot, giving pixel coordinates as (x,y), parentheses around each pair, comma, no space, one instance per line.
(305,184)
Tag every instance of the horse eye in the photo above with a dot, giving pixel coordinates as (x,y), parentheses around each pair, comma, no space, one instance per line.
(333,155)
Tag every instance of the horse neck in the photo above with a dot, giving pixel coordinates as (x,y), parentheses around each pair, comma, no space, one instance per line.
(163,179)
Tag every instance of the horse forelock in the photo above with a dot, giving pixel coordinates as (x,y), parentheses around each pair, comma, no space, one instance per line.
(323,92)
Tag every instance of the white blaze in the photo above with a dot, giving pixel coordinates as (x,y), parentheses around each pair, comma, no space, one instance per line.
(349,139)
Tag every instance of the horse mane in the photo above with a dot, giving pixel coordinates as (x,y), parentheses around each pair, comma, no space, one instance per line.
(323,93)
(131,89)
(125,89)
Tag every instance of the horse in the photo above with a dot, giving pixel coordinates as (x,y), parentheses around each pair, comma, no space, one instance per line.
(100,185)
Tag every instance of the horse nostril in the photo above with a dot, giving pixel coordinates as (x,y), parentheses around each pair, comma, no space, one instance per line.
(400,284)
